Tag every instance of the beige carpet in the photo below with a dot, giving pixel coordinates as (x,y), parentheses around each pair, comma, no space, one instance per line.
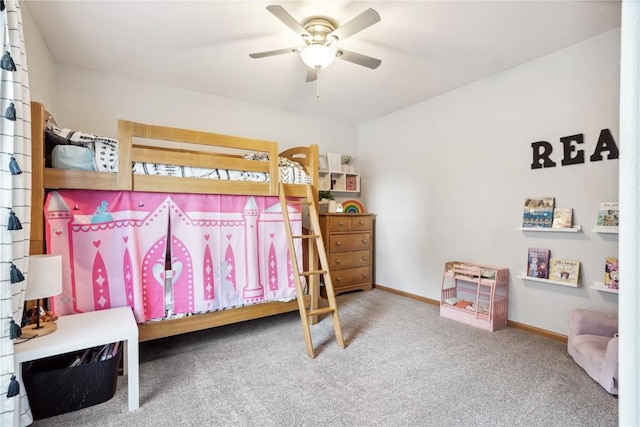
(404,365)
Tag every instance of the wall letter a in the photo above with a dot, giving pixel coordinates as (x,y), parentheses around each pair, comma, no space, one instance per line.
(605,143)
(541,151)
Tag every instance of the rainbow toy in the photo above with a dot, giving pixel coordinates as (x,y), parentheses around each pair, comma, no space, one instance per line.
(352,206)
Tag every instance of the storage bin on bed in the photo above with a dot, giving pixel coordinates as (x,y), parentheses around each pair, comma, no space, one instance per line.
(54,388)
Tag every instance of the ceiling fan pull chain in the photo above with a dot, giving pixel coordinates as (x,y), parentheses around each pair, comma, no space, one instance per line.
(318,84)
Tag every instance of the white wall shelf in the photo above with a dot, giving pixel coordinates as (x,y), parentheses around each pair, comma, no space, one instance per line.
(605,229)
(599,286)
(341,182)
(573,229)
(552,282)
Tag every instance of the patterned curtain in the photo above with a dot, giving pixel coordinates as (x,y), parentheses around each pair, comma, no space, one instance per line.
(15,206)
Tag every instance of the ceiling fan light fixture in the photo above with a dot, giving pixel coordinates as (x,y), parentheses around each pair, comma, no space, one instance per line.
(318,56)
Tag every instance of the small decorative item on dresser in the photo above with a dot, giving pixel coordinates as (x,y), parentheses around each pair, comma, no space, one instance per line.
(352,206)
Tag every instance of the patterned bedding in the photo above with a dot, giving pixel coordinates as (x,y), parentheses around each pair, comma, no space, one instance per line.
(85,151)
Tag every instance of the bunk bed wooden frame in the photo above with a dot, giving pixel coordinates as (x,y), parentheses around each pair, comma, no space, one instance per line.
(188,148)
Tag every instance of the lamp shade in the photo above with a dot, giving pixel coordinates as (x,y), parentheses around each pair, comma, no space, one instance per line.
(318,56)
(44,278)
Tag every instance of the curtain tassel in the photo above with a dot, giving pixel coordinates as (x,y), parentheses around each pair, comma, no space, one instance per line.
(14,330)
(14,387)
(14,222)
(16,274)
(6,63)
(14,167)
(10,114)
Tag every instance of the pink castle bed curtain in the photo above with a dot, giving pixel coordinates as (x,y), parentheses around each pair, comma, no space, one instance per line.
(168,254)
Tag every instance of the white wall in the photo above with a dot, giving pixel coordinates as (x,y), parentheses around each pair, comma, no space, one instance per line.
(42,75)
(93,102)
(447,179)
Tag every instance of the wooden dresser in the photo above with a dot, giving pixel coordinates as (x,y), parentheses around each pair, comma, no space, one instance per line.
(348,239)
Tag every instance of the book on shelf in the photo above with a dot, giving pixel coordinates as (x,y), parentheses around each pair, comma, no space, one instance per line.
(611,273)
(608,214)
(538,263)
(564,270)
(538,212)
(562,217)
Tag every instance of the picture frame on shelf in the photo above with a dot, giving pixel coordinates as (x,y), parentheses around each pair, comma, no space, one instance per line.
(324,166)
(351,183)
(334,162)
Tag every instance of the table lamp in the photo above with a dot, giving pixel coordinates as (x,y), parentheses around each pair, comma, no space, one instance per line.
(44,280)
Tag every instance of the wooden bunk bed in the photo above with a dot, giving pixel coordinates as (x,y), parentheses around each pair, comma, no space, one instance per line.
(187,148)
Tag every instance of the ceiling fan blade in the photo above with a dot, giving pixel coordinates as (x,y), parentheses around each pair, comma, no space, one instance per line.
(357,24)
(312,75)
(357,58)
(288,20)
(274,52)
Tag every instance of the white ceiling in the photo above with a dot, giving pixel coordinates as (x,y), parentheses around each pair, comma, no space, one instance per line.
(427,47)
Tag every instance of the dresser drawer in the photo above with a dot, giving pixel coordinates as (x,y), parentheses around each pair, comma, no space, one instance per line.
(349,242)
(342,260)
(350,276)
(346,224)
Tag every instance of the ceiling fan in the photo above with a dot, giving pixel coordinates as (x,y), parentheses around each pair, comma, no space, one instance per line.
(320,37)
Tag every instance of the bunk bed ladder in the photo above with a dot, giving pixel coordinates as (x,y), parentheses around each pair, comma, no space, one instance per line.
(316,251)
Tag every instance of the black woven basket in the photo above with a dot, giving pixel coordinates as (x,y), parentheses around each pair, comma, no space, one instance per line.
(53,388)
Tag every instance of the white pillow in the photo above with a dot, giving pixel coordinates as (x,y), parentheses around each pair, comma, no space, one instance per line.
(72,157)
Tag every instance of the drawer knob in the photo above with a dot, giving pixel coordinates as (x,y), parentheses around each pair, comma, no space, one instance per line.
(365,275)
(338,261)
(361,222)
(338,279)
(340,223)
(365,241)
(338,243)
(364,258)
